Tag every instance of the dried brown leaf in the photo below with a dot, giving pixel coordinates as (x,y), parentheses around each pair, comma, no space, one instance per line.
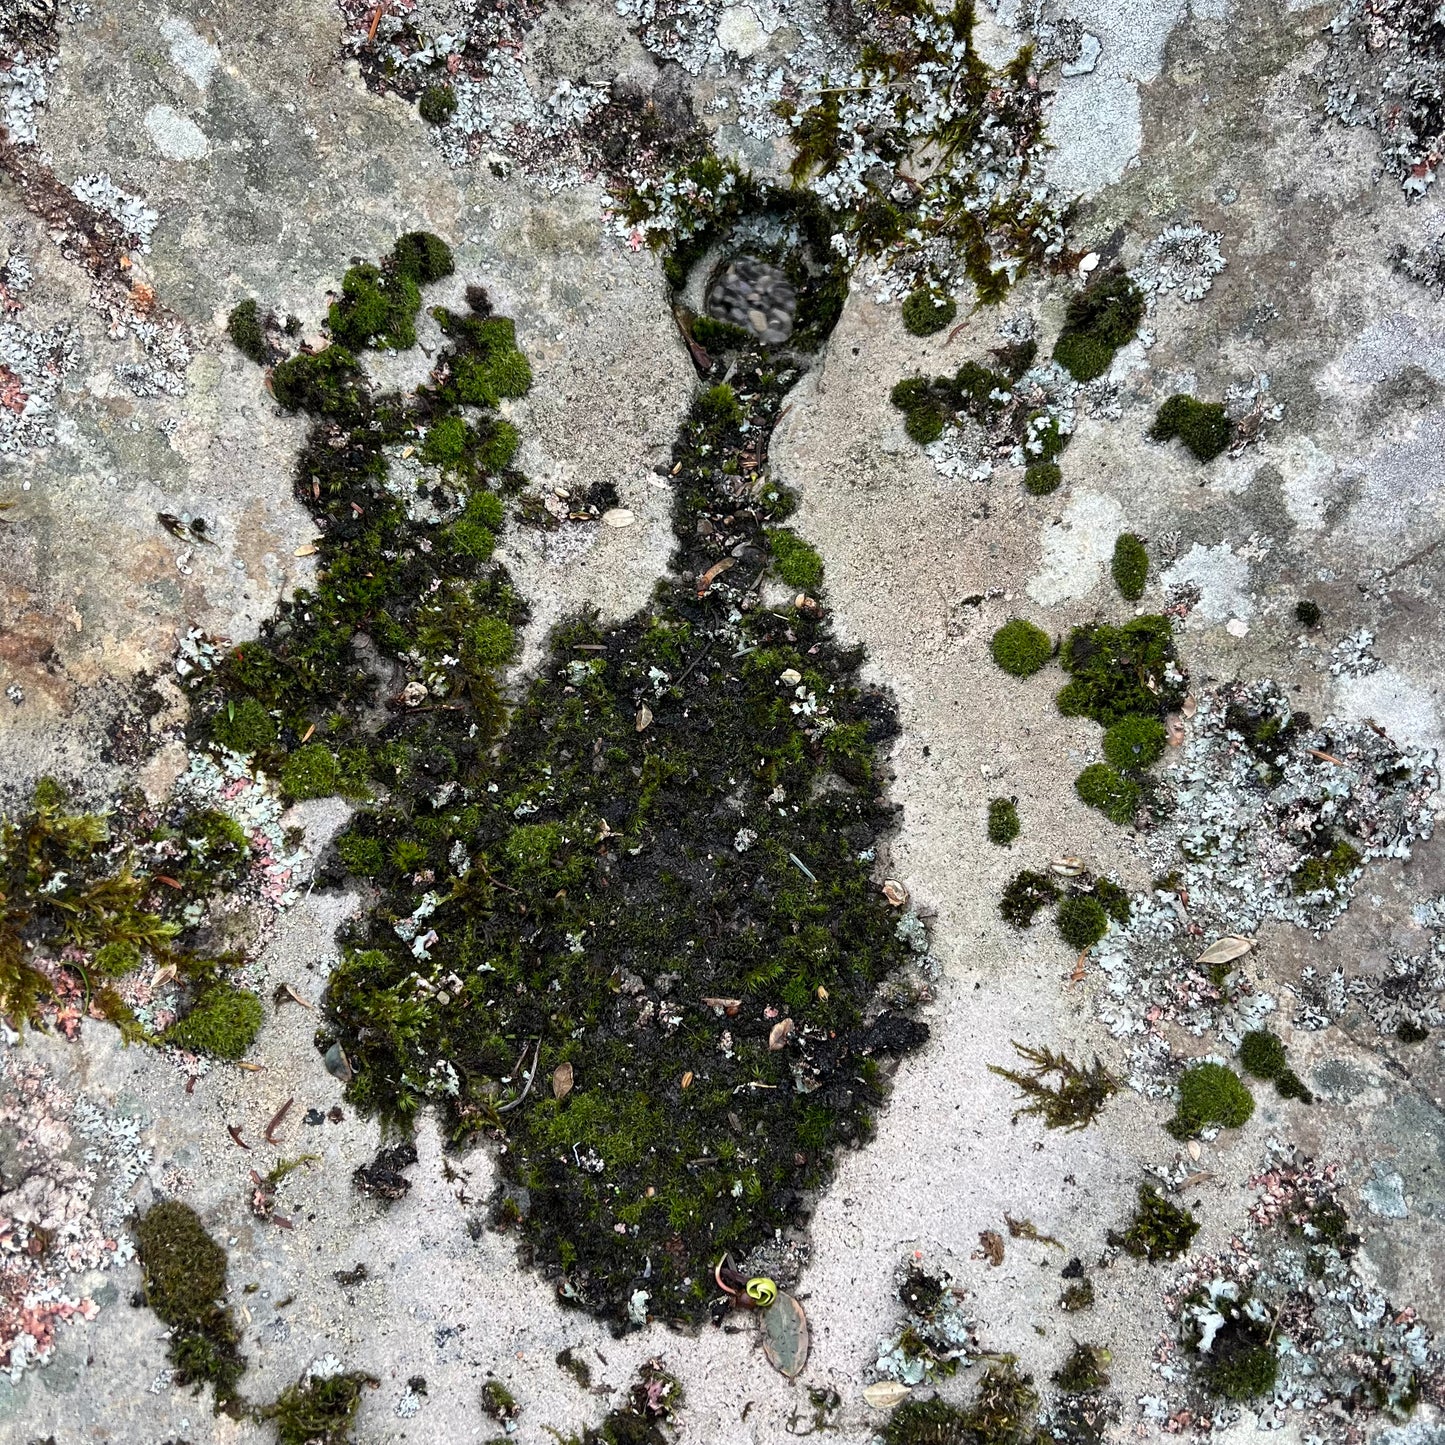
(562,1080)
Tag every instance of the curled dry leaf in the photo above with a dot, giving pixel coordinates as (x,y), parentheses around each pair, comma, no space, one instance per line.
(729,1006)
(895,893)
(885,1394)
(778,1037)
(1174,730)
(618,517)
(1189,707)
(1067,866)
(644,717)
(562,1078)
(307,549)
(687,1080)
(713,573)
(990,1247)
(1225,950)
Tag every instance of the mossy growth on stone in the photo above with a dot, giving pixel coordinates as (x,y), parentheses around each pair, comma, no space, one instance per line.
(925,312)
(1101,318)
(976,391)
(1237,1360)
(718,336)
(1202,426)
(247,334)
(1130,566)
(1135,743)
(1021,647)
(1077,1295)
(1003,821)
(223,1022)
(244,726)
(798,564)
(318,1409)
(438,104)
(1118,671)
(1082,921)
(1025,893)
(1210,1096)
(1307,613)
(325,383)
(653,824)
(1262,1055)
(65,881)
(1043,478)
(1085,1372)
(376,308)
(117,958)
(183,1279)
(498,1401)
(1003,1412)
(1116,795)
(1074,1102)
(1328,872)
(309,772)
(1159,1230)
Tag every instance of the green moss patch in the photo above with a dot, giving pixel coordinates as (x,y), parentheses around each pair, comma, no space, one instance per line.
(318,1409)
(1201,425)
(1020,647)
(1082,921)
(223,1022)
(1118,671)
(438,104)
(183,1273)
(1074,1101)
(1003,1412)
(1101,318)
(1210,1096)
(1043,478)
(1135,743)
(1025,894)
(1003,821)
(1130,566)
(247,334)
(1328,872)
(1262,1056)
(1159,1230)
(1115,795)
(797,563)
(925,313)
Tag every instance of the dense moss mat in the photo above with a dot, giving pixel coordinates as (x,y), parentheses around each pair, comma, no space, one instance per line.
(1202,426)
(657,871)
(1101,318)
(183,1280)
(1160,1230)
(1210,1096)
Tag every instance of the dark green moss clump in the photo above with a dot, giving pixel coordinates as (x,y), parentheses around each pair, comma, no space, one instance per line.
(1074,1102)
(1116,796)
(1159,1229)
(1004,1412)
(1003,821)
(1101,318)
(325,383)
(422,257)
(318,1410)
(1084,1372)
(1118,671)
(247,334)
(438,104)
(183,1273)
(1082,921)
(310,772)
(1241,1362)
(798,564)
(1021,648)
(1210,1096)
(1135,743)
(924,312)
(1329,872)
(1043,478)
(1078,1295)
(1130,566)
(1307,613)
(223,1022)
(1262,1055)
(376,308)
(1024,895)
(244,726)
(1201,425)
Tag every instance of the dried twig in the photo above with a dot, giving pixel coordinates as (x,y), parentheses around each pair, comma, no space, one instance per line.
(276,1120)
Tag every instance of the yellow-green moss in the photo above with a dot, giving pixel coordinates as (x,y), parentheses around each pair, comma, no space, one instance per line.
(1210,1096)
(1020,647)
(798,564)
(223,1022)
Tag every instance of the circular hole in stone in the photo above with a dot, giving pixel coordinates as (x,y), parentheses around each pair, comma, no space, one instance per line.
(755,295)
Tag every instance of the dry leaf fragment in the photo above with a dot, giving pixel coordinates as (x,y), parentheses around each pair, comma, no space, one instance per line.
(1174,730)
(249,1067)
(778,1036)
(1225,950)
(713,573)
(644,717)
(276,1119)
(687,1080)
(1327,758)
(618,517)
(1067,866)
(785,1335)
(234,1130)
(307,549)
(895,893)
(562,1080)
(729,1006)
(163,975)
(990,1247)
(296,997)
(885,1394)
